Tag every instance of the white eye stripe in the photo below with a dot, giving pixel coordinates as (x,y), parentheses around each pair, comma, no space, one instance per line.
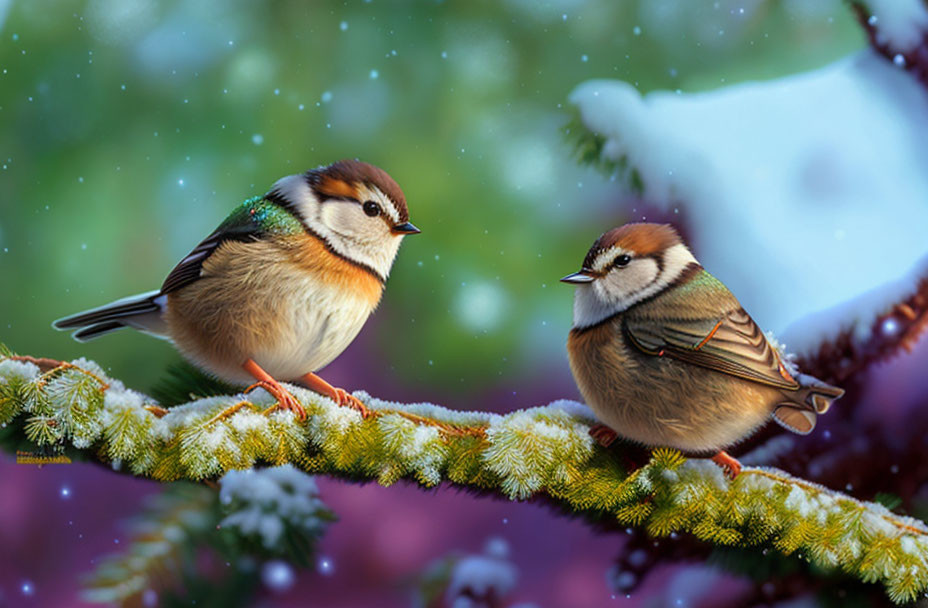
(370,192)
(607,257)
(386,205)
(390,208)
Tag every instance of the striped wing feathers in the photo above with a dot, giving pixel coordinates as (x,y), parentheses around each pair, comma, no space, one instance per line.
(732,344)
(250,221)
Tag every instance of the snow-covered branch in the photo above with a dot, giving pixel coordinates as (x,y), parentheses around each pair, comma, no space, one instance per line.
(538,452)
(258,517)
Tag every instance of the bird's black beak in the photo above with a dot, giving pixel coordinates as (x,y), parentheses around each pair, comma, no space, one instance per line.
(406,228)
(584,276)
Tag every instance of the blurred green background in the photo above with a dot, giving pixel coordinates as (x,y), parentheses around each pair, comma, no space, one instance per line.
(130,128)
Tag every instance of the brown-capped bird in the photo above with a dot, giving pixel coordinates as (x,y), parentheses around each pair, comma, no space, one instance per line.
(666,356)
(281,287)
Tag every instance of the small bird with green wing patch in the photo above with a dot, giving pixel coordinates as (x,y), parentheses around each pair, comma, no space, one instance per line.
(666,356)
(281,287)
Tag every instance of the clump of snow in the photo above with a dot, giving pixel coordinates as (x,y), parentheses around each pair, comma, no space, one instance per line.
(429,410)
(118,399)
(22,370)
(265,502)
(686,492)
(909,545)
(528,447)
(802,193)
(248,421)
(476,579)
(574,409)
(422,437)
(90,366)
(215,437)
(788,358)
(799,501)
(704,470)
(184,416)
(82,442)
(332,419)
(417,446)
(857,315)
(900,24)
(285,417)
(875,521)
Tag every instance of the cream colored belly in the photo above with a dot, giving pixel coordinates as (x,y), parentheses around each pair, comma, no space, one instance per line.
(321,324)
(286,320)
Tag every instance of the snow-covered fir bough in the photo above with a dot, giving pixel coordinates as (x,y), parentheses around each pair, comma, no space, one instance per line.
(538,452)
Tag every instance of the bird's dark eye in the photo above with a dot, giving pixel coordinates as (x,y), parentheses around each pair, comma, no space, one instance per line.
(371,208)
(622,260)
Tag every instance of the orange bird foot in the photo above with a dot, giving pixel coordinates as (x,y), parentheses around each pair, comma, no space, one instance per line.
(603,435)
(285,400)
(730,466)
(343,398)
(338,395)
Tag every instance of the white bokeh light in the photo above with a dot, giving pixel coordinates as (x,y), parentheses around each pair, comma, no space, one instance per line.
(278,576)
(481,305)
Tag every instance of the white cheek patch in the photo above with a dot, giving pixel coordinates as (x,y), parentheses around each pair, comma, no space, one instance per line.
(357,236)
(622,288)
(345,219)
(612,293)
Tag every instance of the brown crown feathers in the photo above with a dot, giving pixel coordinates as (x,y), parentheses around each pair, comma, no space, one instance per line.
(643,239)
(342,178)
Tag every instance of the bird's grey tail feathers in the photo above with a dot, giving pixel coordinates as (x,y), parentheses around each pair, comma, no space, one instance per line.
(142,311)
(800,410)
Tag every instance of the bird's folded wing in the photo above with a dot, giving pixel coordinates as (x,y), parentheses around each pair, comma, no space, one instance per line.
(732,344)
(241,225)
